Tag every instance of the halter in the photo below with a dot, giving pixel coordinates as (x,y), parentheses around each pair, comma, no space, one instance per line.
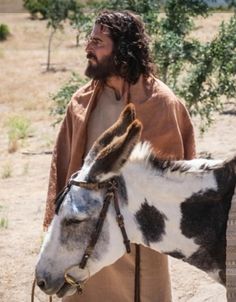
(111,187)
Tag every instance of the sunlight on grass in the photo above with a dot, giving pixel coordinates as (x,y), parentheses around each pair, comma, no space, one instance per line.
(1,53)
(18,130)
(25,169)
(6,171)
(47,141)
(3,223)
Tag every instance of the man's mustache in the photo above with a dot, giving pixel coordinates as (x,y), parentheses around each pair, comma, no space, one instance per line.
(91,56)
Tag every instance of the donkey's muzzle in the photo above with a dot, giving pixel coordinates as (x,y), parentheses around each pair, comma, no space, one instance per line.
(41,284)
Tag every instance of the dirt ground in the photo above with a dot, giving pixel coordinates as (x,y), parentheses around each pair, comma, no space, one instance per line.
(25,91)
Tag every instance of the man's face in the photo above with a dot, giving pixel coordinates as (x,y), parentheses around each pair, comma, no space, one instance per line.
(99,54)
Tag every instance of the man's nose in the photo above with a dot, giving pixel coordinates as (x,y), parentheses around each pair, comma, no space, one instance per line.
(88,47)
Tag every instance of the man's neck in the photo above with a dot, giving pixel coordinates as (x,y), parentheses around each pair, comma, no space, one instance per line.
(118,84)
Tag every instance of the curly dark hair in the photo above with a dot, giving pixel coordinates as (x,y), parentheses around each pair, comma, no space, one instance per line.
(131,52)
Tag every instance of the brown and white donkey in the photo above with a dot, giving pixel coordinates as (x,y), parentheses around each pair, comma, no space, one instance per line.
(179,208)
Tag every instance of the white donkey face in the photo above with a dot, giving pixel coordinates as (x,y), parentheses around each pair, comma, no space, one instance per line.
(68,238)
(71,230)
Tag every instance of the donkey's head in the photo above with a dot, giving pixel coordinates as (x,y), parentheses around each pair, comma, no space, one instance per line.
(72,229)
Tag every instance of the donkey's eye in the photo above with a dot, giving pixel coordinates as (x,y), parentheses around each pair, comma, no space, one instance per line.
(72,221)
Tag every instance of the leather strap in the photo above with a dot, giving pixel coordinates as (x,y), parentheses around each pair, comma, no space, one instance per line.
(111,194)
(60,197)
(120,220)
(137,274)
(97,230)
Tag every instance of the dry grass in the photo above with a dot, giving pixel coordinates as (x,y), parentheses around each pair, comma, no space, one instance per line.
(207,28)
(12,6)
(25,87)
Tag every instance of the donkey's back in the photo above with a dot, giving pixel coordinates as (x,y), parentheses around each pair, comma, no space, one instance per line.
(202,190)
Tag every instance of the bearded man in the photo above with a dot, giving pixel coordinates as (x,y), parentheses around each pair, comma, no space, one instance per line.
(121,69)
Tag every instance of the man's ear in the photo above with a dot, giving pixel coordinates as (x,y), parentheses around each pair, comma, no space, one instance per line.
(126,117)
(112,158)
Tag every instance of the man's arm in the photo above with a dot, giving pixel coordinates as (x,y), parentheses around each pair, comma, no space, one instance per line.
(187,132)
(59,165)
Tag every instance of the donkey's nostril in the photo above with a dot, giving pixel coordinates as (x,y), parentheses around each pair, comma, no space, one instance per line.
(41,283)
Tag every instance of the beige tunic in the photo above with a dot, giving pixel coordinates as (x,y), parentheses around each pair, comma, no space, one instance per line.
(166,124)
(105,113)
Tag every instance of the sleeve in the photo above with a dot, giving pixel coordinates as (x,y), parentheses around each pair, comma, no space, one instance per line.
(168,127)
(59,165)
(187,132)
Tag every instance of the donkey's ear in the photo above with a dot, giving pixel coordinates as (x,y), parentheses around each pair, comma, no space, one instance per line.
(111,159)
(126,117)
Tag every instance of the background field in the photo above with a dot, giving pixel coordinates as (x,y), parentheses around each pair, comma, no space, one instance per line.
(25,91)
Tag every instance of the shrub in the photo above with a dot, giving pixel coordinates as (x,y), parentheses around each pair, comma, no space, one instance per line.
(4,32)
(36,6)
(63,96)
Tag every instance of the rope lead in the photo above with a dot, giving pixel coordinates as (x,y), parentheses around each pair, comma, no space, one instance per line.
(33,292)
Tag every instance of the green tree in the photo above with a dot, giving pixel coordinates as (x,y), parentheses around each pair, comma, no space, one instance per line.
(57,12)
(148,9)
(80,19)
(213,76)
(35,7)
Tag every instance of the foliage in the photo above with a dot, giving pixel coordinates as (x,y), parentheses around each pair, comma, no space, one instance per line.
(57,12)
(36,6)
(4,32)
(149,9)
(214,75)
(80,19)
(63,96)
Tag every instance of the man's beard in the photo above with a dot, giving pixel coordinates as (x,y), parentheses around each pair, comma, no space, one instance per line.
(101,70)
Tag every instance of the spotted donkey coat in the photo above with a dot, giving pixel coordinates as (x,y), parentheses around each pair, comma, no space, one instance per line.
(179,208)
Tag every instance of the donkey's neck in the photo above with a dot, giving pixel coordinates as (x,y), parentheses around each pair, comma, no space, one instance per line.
(155,203)
(178,213)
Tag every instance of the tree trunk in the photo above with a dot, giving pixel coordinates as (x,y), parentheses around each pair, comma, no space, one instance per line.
(49,48)
(77,38)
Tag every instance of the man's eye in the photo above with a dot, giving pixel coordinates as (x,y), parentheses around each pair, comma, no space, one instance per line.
(96,42)
(93,41)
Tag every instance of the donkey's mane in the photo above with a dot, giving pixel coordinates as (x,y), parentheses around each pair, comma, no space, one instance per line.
(143,152)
